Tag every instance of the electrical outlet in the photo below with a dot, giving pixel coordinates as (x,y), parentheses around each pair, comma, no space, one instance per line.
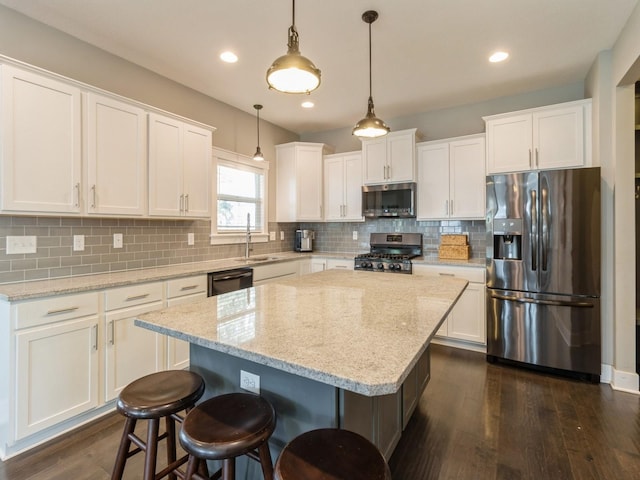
(78,243)
(281,235)
(24,244)
(250,382)
(191,238)
(117,240)
(355,234)
(272,236)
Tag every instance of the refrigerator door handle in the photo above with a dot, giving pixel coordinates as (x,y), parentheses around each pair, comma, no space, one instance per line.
(545,227)
(533,235)
(555,303)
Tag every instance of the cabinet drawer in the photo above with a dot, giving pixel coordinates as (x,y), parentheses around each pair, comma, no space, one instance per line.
(471,274)
(186,286)
(132,295)
(273,270)
(56,309)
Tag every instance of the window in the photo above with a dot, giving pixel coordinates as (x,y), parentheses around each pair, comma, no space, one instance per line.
(240,193)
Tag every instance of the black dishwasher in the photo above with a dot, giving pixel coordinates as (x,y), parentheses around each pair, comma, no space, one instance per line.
(229,281)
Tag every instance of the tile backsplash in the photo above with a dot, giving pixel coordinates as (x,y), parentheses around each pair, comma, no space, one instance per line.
(152,243)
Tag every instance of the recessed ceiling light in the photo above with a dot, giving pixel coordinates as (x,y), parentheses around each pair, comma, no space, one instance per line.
(307,104)
(228,57)
(498,57)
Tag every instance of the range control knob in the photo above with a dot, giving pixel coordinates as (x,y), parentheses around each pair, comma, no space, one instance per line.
(380,266)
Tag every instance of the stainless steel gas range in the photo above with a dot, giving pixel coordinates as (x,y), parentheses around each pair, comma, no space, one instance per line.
(390,252)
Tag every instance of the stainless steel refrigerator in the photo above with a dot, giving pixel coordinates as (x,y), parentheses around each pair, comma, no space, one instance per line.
(543,269)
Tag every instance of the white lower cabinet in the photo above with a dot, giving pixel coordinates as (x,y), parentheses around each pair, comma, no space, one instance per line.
(318,265)
(56,363)
(180,292)
(274,271)
(466,324)
(130,352)
(339,264)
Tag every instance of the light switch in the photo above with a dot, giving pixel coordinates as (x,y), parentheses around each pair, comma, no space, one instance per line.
(355,235)
(117,240)
(191,238)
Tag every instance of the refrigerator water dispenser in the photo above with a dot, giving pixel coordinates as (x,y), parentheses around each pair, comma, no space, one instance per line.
(507,239)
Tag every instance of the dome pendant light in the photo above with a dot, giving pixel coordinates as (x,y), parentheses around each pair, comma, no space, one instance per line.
(293,73)
(370,126)
(258,155)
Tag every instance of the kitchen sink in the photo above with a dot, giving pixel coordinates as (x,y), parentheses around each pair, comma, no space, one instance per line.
(256,259)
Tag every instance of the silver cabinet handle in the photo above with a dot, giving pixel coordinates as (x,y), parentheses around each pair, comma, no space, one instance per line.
(537,157)
(95,337)
(446,274)
(77,188)
(186,202)
(93,196)
(137,297)
(451,205)
(530,164)
(182,203)
(189,287)
(446,207)
(62,310)
(112,332)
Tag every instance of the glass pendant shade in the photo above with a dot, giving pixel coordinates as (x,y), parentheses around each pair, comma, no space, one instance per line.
(293,72)
(370,126)
(258,155)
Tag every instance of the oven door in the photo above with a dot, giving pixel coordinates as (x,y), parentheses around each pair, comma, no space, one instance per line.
(229,281)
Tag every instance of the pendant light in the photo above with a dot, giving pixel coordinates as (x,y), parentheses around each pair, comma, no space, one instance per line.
(258,155)
(370,126)
(293,73)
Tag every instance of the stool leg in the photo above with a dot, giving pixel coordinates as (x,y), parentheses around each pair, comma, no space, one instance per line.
(123,449)
(192,467)
(265,461)
(229,469)
(171,444)
(151,452)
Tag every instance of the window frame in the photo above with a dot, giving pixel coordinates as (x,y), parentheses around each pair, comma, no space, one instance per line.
(228,158)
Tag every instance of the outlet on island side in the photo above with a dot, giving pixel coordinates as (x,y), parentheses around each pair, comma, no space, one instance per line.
(250,382)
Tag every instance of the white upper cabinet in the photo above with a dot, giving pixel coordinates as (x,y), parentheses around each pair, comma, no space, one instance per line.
(41,143)
(343,187)
(179,168)
(299,184)
(557,136)
(116,157)
(390,159)
(451,178)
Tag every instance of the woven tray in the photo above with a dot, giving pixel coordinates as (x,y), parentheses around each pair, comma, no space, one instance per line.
(454,252)
(451,239)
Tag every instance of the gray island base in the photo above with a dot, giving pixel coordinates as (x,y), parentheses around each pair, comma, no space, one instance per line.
(331,349)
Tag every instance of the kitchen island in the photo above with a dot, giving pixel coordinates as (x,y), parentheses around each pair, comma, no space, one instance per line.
(336,348)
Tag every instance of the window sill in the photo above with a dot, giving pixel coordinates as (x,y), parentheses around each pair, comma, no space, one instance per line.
(233,238)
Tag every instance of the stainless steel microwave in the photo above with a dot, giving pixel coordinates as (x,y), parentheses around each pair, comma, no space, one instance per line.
(389,200)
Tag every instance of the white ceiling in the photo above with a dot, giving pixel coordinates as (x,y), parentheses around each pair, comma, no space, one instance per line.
(427,54)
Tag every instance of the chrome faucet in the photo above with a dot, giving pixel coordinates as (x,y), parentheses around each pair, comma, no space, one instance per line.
(247,247)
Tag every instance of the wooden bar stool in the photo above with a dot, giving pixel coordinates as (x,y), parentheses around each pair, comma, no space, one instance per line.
(153,397)
(226,427)
(331,454)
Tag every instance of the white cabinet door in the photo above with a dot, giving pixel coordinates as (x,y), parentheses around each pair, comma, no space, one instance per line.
(558,138)
(374,155)
(179,166)
(343,187)
(197,168)
(433,181)
(116,157)
(299,182)
(178,350)
(318,265)
(401,148)
(130,352)
(41,143)
(339,264)
(309,181)
(56,373)
(467,319)
(165,166)
(509,140)
(467,179)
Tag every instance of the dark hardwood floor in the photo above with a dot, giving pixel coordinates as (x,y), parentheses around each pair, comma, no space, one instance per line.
(475,421)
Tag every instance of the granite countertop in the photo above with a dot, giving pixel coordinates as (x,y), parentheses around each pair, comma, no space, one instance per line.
(84,283)
(350,329)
